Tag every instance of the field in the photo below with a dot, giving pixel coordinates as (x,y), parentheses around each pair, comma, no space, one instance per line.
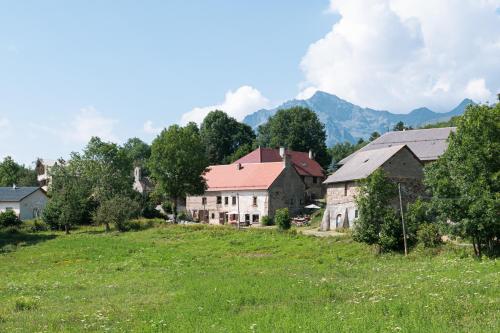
(214,279)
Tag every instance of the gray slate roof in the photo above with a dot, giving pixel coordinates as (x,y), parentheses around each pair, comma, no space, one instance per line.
(10,194)
(363,164)
(427,144)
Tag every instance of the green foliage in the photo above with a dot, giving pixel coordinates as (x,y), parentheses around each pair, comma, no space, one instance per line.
(266,220)
(282,219)
(340,151)
(222,137)
(178,162)
(24,303)
(297,129)
(240,152)
(400,126)
(428,235)
(9,219)
(141,224)
(137,151)
(374,136)
(465,181)
(35,225)
(118,211)
(449,123)
(377,222)
(12,173)
(51,213)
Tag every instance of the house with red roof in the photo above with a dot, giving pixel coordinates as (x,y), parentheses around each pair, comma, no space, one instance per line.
(246,192)
(311,173)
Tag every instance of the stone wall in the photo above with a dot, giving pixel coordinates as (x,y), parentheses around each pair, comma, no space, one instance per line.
(287,191)
(314,190)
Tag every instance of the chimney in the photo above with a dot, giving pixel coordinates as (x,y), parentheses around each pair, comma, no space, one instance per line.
(311,156)
(238,166)
(286,161)
(282,152)
(14,187)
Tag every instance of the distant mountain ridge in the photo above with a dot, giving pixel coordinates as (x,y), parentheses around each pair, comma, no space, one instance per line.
(345,121)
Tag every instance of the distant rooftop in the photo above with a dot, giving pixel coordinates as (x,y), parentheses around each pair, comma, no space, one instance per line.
(10,194)
(427,144)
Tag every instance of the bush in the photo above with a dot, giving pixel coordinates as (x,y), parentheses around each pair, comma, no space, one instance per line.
(141,224)
(51,214)
(118,211)
(282,219)
(9,219)
(266,221)
(428,235)
(183,216)
(35,225)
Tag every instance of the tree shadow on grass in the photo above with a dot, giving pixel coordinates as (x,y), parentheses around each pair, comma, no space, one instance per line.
(10,239)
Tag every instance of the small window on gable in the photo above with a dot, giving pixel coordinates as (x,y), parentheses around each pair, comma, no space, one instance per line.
(356,214)
(254,200)
(345,189)
(203,201)
(233,199)
(213,215)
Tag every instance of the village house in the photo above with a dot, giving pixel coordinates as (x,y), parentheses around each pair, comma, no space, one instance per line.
(142,184)
(246,192)
(400,154)
(26,202)
(43,169)
(310,172)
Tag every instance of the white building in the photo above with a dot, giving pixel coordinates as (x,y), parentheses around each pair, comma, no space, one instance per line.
(26,202)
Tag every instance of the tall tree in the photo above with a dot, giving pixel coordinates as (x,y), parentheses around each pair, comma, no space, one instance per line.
(400,126)
(13,173)
(298,129)
(178,162)
(223,135)
(465,180)
(137,151)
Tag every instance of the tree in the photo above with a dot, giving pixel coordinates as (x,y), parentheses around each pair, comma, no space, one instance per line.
(9,219)
(178,163)
(282,219)
(12,173)
(70,198)
(117,210)
(223,135)
(400,126)
(374,136)
(465,180)
(296,128)
(341,150)
(377,222)
(137,151)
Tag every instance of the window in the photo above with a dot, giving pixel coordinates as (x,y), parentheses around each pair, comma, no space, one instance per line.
(203,201)
(345,189)
(356,214)
(292,201)
(9,209)
(247,218)
(254,200)
(255,218)
(233,199)
(315,180)
(226,200)
(213,215)
(219,200)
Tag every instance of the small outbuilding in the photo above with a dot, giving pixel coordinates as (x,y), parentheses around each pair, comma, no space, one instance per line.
(26,202)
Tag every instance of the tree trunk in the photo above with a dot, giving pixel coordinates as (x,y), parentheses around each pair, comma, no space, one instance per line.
(474,246)
(174,209)
(108,229)
(66,228)
(479,253)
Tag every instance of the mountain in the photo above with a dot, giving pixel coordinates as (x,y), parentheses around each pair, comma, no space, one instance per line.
(345,121)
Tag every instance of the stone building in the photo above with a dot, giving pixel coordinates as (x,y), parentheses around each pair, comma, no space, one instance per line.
(43,172)
(246,192)
(310,172)
(398,162)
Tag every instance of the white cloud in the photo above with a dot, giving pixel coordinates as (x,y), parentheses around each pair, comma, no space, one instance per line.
(150,129)
(237,104)
(88,123)
(4,123)
(401,54)
(476,89)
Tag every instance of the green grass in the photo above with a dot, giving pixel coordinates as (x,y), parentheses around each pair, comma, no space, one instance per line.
(210,279)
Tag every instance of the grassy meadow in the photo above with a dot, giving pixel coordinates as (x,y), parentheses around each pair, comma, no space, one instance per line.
(216,279)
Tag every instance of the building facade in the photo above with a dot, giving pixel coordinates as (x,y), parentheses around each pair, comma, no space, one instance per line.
(245,193)
(26,202)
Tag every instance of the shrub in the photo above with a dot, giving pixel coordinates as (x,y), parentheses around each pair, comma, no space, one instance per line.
(183,216)
(9,219)
(282,219)
(35,225)
(51,214)
(428,235)
(266,221)
(140,224)
(118,211)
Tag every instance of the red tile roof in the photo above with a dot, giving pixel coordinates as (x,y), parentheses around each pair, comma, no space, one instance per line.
(300,160)
(251,176)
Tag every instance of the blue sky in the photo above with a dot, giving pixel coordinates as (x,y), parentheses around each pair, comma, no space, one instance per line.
(118,69)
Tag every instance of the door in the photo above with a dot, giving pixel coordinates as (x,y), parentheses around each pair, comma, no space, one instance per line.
(338,221)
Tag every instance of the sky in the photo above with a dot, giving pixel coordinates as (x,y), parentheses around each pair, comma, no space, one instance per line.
(119,69)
